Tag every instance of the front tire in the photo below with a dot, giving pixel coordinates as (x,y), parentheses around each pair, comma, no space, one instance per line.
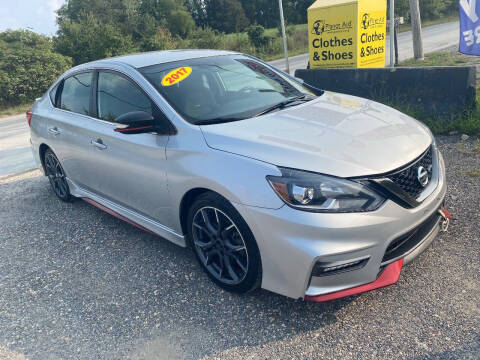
(223,244)
(56,176)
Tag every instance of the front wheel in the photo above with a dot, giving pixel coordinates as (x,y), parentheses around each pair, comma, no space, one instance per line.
(223,244)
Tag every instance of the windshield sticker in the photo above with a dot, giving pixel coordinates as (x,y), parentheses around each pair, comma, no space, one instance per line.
(177,75)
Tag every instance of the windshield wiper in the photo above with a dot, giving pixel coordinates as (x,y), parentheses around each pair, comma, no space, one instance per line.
(220,120)
(269,90)
(284,104)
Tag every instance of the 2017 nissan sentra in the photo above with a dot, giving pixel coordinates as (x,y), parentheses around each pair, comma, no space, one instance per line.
(272,182)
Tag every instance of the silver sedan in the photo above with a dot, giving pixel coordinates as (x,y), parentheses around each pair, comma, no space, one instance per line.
(272,182)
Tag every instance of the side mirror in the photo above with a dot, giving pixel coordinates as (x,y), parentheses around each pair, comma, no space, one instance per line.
(135,122)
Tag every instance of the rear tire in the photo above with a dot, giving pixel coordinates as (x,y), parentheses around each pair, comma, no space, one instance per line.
(223,244)
(56,176)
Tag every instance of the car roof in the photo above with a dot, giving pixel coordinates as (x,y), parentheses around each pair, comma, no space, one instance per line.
(141,60)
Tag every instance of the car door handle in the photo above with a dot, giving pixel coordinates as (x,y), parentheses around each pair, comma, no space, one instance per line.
(99,144)
(54,131)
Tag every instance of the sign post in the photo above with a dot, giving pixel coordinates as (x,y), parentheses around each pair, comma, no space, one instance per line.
(392,33)
(347,33)
(284,35)
(469,27)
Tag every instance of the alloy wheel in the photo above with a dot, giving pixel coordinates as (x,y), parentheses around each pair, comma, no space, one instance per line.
(56,176)
(220,245)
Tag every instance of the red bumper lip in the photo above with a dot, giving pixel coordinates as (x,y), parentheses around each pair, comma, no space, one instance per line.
(389,276)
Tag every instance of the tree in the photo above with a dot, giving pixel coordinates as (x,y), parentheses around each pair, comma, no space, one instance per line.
(198,10)
(296,11)
(181,23)
(432,9)
(28,66)
(173,13)
(129,16)
(89,39)
(226,15)
(113,11)
(262,12)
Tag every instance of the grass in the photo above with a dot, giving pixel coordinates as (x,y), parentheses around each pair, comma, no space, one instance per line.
(468,123)
(293,52)
(472,173)
(15,110)
(441,58)
(475,150)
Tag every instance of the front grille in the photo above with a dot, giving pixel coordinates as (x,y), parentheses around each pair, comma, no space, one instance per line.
(403,245)
(407,179)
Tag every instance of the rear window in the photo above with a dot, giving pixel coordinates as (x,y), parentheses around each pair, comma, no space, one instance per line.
(75,95)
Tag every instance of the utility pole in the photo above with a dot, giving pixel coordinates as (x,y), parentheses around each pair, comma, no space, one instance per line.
(284,35)
(392,33)
(416,30)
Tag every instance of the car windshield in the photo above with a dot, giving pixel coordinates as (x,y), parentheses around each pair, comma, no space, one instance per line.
(224,88)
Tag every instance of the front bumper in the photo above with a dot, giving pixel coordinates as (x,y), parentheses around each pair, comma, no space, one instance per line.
(291,242)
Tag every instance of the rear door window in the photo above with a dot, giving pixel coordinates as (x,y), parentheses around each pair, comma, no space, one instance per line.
(75,95)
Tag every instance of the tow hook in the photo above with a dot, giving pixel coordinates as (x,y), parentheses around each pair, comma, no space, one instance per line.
(445,223)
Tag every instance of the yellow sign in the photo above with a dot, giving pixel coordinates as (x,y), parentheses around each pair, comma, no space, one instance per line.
(347,33)
(177,75)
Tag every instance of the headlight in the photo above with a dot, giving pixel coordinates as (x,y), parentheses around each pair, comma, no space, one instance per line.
(319,193)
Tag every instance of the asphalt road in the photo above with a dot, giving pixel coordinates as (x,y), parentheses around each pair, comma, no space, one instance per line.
(435,38)
(15,153)
(76,283)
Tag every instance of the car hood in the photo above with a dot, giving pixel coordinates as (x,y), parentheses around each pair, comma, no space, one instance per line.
(335,134)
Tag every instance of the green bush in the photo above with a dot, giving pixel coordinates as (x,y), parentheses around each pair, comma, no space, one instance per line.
(206,39)
(300,39)
(28,66)
(161,40)
(238,42)
(290,30)
(256,34)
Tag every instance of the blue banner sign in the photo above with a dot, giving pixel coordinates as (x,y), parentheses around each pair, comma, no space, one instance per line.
(470,27)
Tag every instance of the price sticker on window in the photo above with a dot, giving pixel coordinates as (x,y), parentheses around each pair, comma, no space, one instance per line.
(177,75)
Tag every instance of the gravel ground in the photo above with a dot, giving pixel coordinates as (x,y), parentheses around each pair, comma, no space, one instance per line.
(78,283)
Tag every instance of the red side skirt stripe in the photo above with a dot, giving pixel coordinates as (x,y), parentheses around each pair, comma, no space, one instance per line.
(117,215)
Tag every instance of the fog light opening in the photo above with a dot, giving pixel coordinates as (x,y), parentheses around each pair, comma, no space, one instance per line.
(332,268)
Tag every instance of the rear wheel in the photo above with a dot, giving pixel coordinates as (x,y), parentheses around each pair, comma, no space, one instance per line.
(56,176)
(224,244)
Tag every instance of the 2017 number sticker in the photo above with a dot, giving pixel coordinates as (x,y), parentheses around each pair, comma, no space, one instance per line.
(177,75)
